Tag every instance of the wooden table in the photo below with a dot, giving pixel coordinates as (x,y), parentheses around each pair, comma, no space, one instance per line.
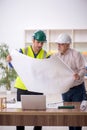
(48,117)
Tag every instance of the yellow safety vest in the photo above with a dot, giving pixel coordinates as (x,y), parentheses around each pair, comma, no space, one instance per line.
(28,51)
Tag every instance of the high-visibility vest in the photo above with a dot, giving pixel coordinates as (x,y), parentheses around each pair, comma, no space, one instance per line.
(28,51)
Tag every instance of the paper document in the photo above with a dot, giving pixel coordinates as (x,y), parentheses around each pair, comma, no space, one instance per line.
(43,75)
(14,105)
(83,105)
(55,104)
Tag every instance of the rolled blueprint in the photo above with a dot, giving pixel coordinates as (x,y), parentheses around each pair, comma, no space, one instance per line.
(83,105)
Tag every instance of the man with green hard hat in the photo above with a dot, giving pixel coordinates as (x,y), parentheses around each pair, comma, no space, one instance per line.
(35,50)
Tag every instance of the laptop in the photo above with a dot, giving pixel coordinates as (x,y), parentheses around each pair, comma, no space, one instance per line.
(33,102)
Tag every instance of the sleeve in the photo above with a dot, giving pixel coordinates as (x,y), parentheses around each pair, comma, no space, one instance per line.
(10,65)
(80,65)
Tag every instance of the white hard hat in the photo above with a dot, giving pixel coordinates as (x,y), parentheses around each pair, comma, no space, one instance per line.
(63,38)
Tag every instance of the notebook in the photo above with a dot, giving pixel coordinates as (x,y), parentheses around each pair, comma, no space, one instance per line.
(33,102)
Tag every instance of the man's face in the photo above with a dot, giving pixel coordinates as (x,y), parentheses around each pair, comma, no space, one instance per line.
(62,48)
(37,45)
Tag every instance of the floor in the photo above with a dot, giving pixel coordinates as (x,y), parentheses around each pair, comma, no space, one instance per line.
(31,128)
(50,99)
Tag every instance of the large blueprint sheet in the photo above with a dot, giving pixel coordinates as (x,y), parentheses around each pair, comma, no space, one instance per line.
(43,75)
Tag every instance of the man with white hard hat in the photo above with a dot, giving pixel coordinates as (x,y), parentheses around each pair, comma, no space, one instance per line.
(75,61)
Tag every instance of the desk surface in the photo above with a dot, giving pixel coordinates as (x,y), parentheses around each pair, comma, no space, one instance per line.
(48,117)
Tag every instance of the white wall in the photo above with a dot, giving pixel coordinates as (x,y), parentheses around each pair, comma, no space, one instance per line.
(18,15)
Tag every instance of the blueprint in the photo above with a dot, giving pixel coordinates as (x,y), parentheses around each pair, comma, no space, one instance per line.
(50,75)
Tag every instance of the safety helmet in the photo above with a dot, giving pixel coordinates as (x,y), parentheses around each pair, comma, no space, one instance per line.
(63,38)
(39,36)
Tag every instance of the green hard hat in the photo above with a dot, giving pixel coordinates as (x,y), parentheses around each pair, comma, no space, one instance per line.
(39,36)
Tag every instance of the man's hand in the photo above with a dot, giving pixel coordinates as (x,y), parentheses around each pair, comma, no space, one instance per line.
(76,76)
(8,58)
